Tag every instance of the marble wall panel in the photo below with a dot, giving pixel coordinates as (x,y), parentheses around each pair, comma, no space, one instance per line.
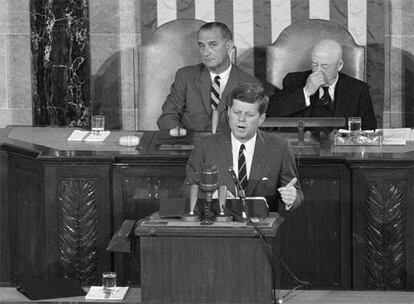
(17,4)
(407,7)
(19,78)
(5,118)
(4,21)
(408,80)
(3,72)
(19,21)
(395,82)
(60,64)
(21,116)
(104,16)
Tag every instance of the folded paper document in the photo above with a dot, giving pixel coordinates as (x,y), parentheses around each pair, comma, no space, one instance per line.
(98,293)
(79,135)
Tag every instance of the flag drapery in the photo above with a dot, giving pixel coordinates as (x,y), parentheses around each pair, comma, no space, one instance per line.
(257,23)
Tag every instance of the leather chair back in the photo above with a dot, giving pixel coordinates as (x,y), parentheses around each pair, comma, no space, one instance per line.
(291,52)
(172,46)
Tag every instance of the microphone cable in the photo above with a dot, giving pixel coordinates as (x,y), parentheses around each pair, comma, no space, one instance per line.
(266,246)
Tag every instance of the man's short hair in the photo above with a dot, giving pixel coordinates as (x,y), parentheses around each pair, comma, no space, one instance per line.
(250,93)
(225,31)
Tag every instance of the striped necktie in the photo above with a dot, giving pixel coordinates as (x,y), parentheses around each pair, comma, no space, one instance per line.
(215,92)
(242,168)
(326,98)
(215,100)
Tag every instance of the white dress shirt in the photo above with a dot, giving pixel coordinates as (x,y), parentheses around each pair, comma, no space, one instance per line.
(248,153)
(331,91)
(224,77)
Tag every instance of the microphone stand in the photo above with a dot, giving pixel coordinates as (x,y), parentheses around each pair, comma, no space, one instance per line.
(241,194)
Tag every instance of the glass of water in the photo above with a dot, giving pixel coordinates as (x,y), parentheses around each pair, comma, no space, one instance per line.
(354,124)
(109,281)
(97,124)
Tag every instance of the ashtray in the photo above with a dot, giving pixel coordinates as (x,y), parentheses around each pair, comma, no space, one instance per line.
(343,137)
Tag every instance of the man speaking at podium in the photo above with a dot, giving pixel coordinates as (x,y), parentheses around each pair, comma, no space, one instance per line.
(263,161)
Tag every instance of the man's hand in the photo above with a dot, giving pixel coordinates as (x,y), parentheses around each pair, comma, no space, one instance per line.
(314,82)
(288,193)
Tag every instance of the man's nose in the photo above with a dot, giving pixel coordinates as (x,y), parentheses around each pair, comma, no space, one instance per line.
(205,51)
(242,117)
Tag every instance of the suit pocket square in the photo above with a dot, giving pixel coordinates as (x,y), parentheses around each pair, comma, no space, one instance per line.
(264,179)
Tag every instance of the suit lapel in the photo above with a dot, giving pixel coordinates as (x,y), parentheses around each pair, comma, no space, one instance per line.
(258,163)
(205,88)
(232,82)
(343,97)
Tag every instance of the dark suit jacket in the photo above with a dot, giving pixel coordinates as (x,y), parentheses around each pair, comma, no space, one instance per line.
(188,104)
(273,165)
(351,99)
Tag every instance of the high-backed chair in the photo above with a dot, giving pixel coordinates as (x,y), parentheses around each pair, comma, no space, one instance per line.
(291,52)
(172,46)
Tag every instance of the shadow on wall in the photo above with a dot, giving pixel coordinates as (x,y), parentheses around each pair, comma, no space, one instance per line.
(106,96)
(375,73)
(260,65)
(407,87)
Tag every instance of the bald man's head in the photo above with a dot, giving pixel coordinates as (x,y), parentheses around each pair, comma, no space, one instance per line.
(327,57)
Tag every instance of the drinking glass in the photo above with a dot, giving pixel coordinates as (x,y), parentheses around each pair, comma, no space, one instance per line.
(109,281)
(354,124)
(97,124)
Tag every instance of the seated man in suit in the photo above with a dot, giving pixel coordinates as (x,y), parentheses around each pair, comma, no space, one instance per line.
(198,95)
(264,162)
(324,91)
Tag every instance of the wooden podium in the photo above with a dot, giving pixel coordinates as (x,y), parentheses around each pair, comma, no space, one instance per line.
(184,262)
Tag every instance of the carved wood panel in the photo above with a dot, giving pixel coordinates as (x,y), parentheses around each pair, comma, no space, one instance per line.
(314,240)
(384,226)
(77,229)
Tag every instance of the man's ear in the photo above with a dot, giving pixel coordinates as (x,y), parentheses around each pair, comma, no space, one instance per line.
(340,64)
(262,119)
(229,46)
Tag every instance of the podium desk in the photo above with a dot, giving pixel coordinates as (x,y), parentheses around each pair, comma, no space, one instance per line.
(358,207)
(183,262)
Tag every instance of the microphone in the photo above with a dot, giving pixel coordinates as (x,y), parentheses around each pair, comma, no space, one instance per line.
(236,181)
(208,184)
(240,192)
(208,178)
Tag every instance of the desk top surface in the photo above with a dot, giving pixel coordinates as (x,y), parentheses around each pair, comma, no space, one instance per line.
(49,142)
(156,226)
(10,294)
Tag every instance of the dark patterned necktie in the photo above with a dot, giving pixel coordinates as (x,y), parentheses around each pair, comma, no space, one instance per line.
(326,99)
(242,168)
(215,92)
(215,99)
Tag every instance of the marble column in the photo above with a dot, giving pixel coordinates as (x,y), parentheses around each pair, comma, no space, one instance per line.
(60,62)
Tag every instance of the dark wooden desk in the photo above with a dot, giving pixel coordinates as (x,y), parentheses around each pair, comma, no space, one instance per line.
(185,262)
(355,229)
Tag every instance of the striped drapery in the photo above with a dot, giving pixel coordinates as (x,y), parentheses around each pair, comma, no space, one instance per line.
(257,23)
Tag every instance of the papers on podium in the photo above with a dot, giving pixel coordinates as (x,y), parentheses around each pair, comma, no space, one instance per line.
(79,135)
(97,293)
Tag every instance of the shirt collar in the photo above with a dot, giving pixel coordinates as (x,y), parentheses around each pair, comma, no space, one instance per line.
(223,76)
(331,88)
(249,145)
